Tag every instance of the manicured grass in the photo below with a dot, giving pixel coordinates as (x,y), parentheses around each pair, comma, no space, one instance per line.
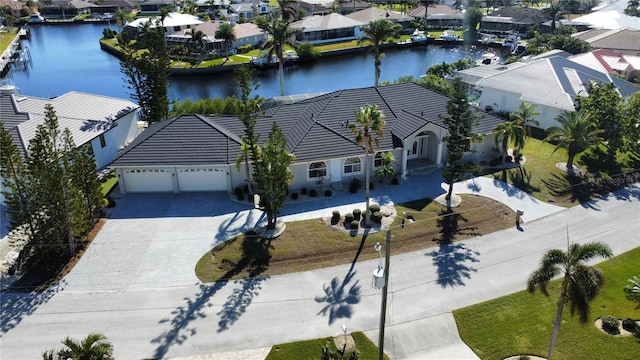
(7,37)
(540,177)
(521,323)
(108,183)
(312,349)
(312,244)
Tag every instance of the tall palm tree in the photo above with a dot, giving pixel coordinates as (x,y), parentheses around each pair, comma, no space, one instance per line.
(197,36)
(580,283)
(368,128)
(577,132)
(375,33)
(245,156)
(426,4)
(121,17)
(281,36)
(93,347)
(226,33)
(509,132)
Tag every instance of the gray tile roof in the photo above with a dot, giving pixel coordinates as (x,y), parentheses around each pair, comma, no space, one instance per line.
(85,115)
(315,128)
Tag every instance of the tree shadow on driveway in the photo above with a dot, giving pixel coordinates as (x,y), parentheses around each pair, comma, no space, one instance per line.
(16,305)
(255,260)
(453,263)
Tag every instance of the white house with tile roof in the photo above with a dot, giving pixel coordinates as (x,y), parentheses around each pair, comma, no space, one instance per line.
(198,153)
(551,83)
(328,28)
(105,123)
(174,23)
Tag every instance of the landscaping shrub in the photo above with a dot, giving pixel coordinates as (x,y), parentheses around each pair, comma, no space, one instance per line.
(336,216)
(354,224)
(376,217)
(371,186)
(313,193)
(631,326)
(374,208)
(523,357)
(303,191)
(245,188)
(354,185)
(328,193)
(348,217)
(356,214)
(395,181)
(294,196)
(610,324)
(239,193)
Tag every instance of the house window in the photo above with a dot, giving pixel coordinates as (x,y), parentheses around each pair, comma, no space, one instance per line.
(377,161)
(176,28)
(317,170)
(103,141)
(352,165)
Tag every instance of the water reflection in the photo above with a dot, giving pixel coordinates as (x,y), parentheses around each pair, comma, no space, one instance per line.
(68,58)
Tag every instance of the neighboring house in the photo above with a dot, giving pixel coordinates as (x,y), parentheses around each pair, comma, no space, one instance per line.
(154,6)
(246,33)
(106,124)
(111,6)
(13,6)
(66,8)
(198,153)
(627,66)
(622,41)
(439,16)
(373,13)
(550,83)
(511,20)
(311,9)
(329,28)
(174,23)
(352,6)
(611,16)
(244,11)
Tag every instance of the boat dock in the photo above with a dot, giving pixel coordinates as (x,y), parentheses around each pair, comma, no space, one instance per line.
(15,53)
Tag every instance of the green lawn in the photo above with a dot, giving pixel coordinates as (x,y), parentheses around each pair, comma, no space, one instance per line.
(312,349)
(6,38)
(521,323)
(108,183)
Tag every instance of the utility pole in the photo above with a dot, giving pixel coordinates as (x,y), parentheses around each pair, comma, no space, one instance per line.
(385,288)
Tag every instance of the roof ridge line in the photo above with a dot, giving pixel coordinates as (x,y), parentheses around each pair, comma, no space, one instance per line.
(219,127)
(142,138)
(313,120)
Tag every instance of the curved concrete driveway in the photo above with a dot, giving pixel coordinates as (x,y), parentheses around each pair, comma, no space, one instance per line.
(168,315)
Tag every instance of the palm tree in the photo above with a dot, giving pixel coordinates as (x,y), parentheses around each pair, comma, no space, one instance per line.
(281,36)
(375,33)
(633,290)
(288,9)
(245,156)
(525,116)
(93,347)
(580,283)
(368,127)
(121,17)
(577,132)
(197,36)
(426,4)
(509,132)
(553,11)
(227,33)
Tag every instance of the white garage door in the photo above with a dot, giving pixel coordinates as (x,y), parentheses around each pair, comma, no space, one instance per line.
(148,180)
(202,179)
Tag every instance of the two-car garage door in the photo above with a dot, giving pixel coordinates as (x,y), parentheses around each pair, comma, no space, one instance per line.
(188,179)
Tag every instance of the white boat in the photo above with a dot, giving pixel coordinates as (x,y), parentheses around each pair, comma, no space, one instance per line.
(419,36)
(488,59)
(290,55)
(36,18)
(448,36)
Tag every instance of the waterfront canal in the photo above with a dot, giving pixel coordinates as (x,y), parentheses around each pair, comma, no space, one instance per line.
(68,58)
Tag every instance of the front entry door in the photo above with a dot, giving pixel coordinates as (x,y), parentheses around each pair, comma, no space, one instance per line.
(418,149)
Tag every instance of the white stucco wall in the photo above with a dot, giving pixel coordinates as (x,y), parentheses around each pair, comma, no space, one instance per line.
(115,139)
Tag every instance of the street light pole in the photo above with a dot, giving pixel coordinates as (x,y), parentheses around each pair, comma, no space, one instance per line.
(385,288)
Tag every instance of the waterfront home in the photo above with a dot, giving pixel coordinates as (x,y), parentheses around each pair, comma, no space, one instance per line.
(105,123)
(174,23)
(611,16)
(552,83)
(111,6)
(246,34)
(439,16)
(198,152)
(310,9)
(154,6)
(13,7)
(64,9)
(374,13)
(512,20)
(329,28)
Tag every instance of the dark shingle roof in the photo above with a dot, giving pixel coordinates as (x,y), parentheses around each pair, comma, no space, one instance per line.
(316,128)
(522,15)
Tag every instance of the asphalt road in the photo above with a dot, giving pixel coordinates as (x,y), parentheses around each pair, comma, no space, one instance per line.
(199,319)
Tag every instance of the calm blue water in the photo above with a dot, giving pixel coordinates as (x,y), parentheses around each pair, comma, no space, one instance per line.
(68,58)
